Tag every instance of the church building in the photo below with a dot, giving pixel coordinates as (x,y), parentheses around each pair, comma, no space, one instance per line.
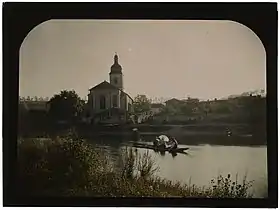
(107,101)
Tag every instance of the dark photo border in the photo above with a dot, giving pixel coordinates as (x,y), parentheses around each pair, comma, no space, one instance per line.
(20,18)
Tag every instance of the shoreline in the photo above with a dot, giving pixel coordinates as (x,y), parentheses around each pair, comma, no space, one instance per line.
(191,134)
(183,140)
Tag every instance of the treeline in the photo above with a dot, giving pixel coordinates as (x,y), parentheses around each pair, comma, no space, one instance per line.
(247,109)
(63,108)
(35,98)
(67,106)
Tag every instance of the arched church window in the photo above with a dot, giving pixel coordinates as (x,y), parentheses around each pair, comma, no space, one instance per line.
(116,80)
(115,103)
(102,101)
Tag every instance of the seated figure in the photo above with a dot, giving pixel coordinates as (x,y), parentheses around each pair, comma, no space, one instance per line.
(161,142)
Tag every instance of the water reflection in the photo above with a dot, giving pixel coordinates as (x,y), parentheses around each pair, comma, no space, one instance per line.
(205,162)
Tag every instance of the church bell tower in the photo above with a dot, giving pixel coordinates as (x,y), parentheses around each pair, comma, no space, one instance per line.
(116,76)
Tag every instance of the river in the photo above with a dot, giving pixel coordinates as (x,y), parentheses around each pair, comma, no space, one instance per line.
(205,162)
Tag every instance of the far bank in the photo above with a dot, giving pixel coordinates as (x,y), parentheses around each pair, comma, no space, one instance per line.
(192,134)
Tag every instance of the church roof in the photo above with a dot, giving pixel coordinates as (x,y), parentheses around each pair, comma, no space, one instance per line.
(104,85)
(108,86)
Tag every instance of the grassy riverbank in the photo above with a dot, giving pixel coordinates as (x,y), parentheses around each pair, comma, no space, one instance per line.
(70,167)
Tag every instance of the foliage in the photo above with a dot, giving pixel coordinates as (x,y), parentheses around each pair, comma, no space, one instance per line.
(222,108)
(141,104)
(186,109)
(127,164)
(56,167)
(134,164)
(71,167)
(35,98)
(146,165)
(224,187)
(66,106)
(254,106)
(169,110)
(246,108)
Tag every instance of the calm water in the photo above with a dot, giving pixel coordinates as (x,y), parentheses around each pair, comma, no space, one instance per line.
(205,162)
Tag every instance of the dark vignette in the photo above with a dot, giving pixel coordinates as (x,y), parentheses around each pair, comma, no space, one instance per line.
(20,18)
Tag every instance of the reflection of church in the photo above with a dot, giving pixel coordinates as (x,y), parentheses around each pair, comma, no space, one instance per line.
(107,102)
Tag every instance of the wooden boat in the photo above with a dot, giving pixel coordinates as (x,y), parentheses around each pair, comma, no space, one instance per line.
(149,146)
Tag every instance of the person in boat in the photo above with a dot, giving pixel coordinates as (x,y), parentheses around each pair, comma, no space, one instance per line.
(162,142)
(174,143)
(156,142)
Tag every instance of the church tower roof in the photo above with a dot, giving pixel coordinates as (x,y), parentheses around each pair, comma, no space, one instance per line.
(116,67)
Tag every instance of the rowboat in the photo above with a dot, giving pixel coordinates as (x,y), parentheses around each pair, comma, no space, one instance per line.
(161,149)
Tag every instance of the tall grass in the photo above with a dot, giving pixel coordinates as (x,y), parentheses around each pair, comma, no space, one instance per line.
(71,167)
(134,165)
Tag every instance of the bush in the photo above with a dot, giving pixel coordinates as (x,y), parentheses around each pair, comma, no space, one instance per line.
(57,167)
(224,187)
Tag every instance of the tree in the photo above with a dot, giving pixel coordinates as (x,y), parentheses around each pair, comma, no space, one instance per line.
(223,108)
(66,106)
(169,110)
(254,107)
(141,104)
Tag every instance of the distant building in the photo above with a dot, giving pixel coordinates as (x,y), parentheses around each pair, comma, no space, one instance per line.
(107,101)
(173,102)
(191,100)
(156,108)
(34,106)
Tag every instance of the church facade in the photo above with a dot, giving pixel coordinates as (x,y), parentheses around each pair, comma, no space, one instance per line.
(107,101)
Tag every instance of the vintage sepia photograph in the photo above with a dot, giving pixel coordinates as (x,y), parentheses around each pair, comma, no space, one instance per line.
(142,108)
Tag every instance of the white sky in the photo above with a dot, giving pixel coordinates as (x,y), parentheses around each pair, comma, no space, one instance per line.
(204,59)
